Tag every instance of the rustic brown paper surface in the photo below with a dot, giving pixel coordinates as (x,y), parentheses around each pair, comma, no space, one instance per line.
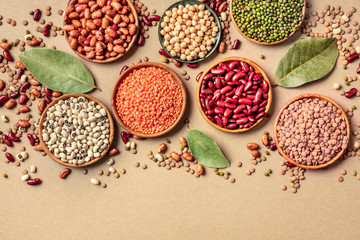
(160,204)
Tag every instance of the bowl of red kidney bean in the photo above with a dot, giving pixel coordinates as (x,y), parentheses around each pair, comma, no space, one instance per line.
(101,31)
(234,94)
(311,131)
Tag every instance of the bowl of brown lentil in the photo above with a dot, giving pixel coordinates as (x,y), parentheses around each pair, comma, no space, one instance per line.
(238,20)
(311,131)
(103,122)
(101,32)
(148,99)
(234,94)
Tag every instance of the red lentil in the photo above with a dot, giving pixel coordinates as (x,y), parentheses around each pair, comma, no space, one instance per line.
(149,100)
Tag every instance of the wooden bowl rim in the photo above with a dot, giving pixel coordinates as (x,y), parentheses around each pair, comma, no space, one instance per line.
(218,35)
(264,43)
(258,69)
(124,75)
(112,59)
(63,97)
(310,95)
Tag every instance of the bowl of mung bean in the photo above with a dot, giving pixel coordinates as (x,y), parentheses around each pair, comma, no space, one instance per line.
(267,22)
(76,130)
(148,99)
(234,94)
(101,32)
(189,31)
(311,131)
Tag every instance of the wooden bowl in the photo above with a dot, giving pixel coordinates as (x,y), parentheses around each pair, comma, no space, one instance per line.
(133,40)
(264,43)
(218,36)
(41,123)
(124,75)
(310,95)
(257,69)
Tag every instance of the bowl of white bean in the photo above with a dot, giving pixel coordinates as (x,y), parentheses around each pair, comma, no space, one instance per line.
(76,130)
(189,31)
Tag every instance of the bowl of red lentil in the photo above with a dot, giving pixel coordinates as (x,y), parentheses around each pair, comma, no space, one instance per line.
(234,94)
(148,99)
(101,31)
(311,131)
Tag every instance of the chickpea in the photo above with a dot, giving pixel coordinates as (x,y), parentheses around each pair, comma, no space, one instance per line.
(166,43)
(185,16)
(201,7)
(183,45)
(181,7)
(187,51)
(193,35)
(162,32)
(214,34)
(191,47)
(209,48)
(200,33)
(168,13)
(177,49)
(183,57)
(181,35)
(189,58)
(167,37)
(174,14)
(191,14)
(187,40)
(185,10)
(180,12)
(192,8)
(201,55)
(173,53)
(192,30)
(169,48)
(172,20)
(174,9)
(167,29)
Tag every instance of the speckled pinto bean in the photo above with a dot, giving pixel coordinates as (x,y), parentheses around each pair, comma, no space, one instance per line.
(149,100)
(233,95)
(101,29)
(311,131)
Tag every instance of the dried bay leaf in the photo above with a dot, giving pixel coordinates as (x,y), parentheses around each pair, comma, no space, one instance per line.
(205,150)
(306,61)
(58,70)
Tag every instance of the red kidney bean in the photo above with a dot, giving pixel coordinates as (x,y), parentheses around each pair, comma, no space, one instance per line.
(217,71)
(249,124)
(246,101)
(244,66)
(217,82)
(350,93)
(13,137)
(238,75)
(212,86)
(212,4)
(20,73)
(124,137)
(140,40)
(47,99)
(260,115)
(248,86)
(199,76)
(218,121)
(229,76)
(124,68)
(35,181)
(192,65)
(9,157)
(236,44)
(225,89)
(258,95)
(7,55)
(231,126)
(14,94)
(289,164)
(202,102)
(6,140)
(251,119)
(273,147)
(37,14)
(233,64)
(219,110)
(46,30)
(224,121)
(239,108)
(47,92)
(357,71)
(264,103)
(208,76)
(221,104)
(242,120)
(230,100)
(164,53)
(352,57)
(24,86)
(3,99)
(257,77)
(265,86)
(146,20)
(31,139)
(22,99)
(207,91)
(265,96)
(154,18)
(209,112)
(227,113)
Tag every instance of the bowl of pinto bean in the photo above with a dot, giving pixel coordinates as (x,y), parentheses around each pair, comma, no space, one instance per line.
(234,94)
(101,31)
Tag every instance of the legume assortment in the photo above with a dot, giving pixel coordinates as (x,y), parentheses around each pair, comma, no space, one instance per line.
(149,100)
(311,131)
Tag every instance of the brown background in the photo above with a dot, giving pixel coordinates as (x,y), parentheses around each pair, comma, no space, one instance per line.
(160,204)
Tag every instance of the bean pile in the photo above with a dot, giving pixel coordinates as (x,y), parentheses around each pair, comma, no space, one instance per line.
(233,95)
(149,100)
(267,21)
(99,30)
(189,31)
(311,131)
(76,130)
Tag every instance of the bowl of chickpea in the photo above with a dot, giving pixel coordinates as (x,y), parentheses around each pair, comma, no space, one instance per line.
(189,31)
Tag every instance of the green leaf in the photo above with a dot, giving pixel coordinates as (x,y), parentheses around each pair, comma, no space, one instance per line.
(307,60)
(205,150)
(58,70)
